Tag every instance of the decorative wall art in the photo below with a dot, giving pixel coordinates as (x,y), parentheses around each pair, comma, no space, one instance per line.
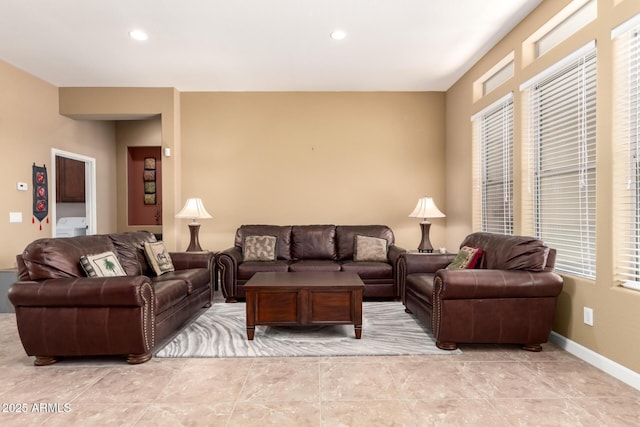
(149,179)
(40,194)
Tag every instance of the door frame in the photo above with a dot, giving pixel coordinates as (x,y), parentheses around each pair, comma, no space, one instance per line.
(89,189)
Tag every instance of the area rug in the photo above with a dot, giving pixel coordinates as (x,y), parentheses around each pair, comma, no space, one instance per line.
(221,332)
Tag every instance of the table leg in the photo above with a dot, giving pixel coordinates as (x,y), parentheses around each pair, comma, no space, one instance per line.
(358,329)
(250,331)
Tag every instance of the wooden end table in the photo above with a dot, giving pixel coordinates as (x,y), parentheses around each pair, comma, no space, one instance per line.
(304,298)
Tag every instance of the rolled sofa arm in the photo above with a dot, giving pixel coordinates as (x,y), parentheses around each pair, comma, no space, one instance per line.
(126,291)
(228,261)
(476,284)
(394,253)
(189,260)
(425,263)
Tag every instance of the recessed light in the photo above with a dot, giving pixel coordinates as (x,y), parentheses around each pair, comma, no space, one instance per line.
(338,35)
(138,35)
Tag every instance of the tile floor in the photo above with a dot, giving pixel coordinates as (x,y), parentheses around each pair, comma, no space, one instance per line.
(485,385)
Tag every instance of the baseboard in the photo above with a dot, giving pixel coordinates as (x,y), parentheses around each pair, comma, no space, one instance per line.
(612,368)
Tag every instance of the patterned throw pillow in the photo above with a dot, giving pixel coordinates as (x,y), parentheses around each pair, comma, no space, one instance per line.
(158,257)
(467,258)
(105,264)
(259,248)
(373,249)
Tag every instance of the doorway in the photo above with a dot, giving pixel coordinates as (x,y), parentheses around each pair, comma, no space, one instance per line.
(72,193)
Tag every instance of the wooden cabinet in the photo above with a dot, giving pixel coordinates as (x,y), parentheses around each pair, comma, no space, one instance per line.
(69,180)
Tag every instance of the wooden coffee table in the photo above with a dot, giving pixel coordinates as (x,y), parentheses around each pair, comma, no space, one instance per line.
(304,298)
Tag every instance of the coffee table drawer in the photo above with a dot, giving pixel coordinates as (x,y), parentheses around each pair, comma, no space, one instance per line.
(276,308)
(331,307)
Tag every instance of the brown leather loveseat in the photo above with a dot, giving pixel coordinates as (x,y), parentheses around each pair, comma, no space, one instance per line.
(312,248)
(509,297)
(61,312)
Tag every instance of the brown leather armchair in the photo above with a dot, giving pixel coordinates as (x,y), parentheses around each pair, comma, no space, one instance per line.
(510,297)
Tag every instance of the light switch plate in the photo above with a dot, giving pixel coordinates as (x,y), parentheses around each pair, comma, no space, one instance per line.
(15,216)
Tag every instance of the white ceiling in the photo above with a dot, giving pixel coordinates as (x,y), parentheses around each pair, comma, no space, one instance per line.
(255,45)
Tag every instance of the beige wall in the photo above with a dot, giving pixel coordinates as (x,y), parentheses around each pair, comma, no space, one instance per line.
(615,334)
(313,158)
(30,127)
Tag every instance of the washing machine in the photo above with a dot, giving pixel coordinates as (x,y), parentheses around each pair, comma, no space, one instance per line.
(71,226)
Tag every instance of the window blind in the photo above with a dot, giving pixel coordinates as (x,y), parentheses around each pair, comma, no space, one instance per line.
(626,153)
(562,131)
(493,141)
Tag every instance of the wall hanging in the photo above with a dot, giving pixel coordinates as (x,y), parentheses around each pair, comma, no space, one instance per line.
(40,195)
(149,177)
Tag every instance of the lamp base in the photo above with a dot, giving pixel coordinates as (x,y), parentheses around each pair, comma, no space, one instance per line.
(194,244)
(425,243)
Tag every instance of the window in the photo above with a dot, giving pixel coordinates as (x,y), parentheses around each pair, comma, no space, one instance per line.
(585,14)
(626,153)
(562,115)
(501,72)
(571,19)
(500,76)
(493,144)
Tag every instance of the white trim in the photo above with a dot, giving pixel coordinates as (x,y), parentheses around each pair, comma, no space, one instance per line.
(612,368)
(625,26)
(90,188)
(559,65)
(489,107)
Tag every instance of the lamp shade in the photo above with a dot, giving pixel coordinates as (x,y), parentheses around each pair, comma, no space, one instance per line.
(193,209)
(426,208)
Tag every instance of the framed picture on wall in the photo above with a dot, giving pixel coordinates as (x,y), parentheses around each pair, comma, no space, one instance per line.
(150,199)
(150,163)
(149,175)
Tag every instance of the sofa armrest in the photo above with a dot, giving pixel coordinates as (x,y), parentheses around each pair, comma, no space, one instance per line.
(475,284)
(189,260)
(394,253)
(228,261)
(126,291)
(425,262)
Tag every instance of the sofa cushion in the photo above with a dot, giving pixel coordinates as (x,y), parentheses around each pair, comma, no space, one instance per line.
(466,258)
(105,264)
(259,248)
(420,285)
(372,249)
(55,258)
(247,269)
(314,265)
(369,270)
(130,251)
(345,237)
(504,252)
(195,278)
(168,293)
(158,257)
(282,233)
(313,242)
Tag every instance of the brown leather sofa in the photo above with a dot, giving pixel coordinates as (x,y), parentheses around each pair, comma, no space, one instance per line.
(61,312)
(311,248)
(510,297)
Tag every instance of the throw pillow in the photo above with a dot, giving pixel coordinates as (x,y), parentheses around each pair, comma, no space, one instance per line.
(467,258)
(370,249)
(259,248)
(105,264)
(158,257)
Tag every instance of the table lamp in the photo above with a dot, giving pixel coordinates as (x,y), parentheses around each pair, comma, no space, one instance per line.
(194,209)
(426,208)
